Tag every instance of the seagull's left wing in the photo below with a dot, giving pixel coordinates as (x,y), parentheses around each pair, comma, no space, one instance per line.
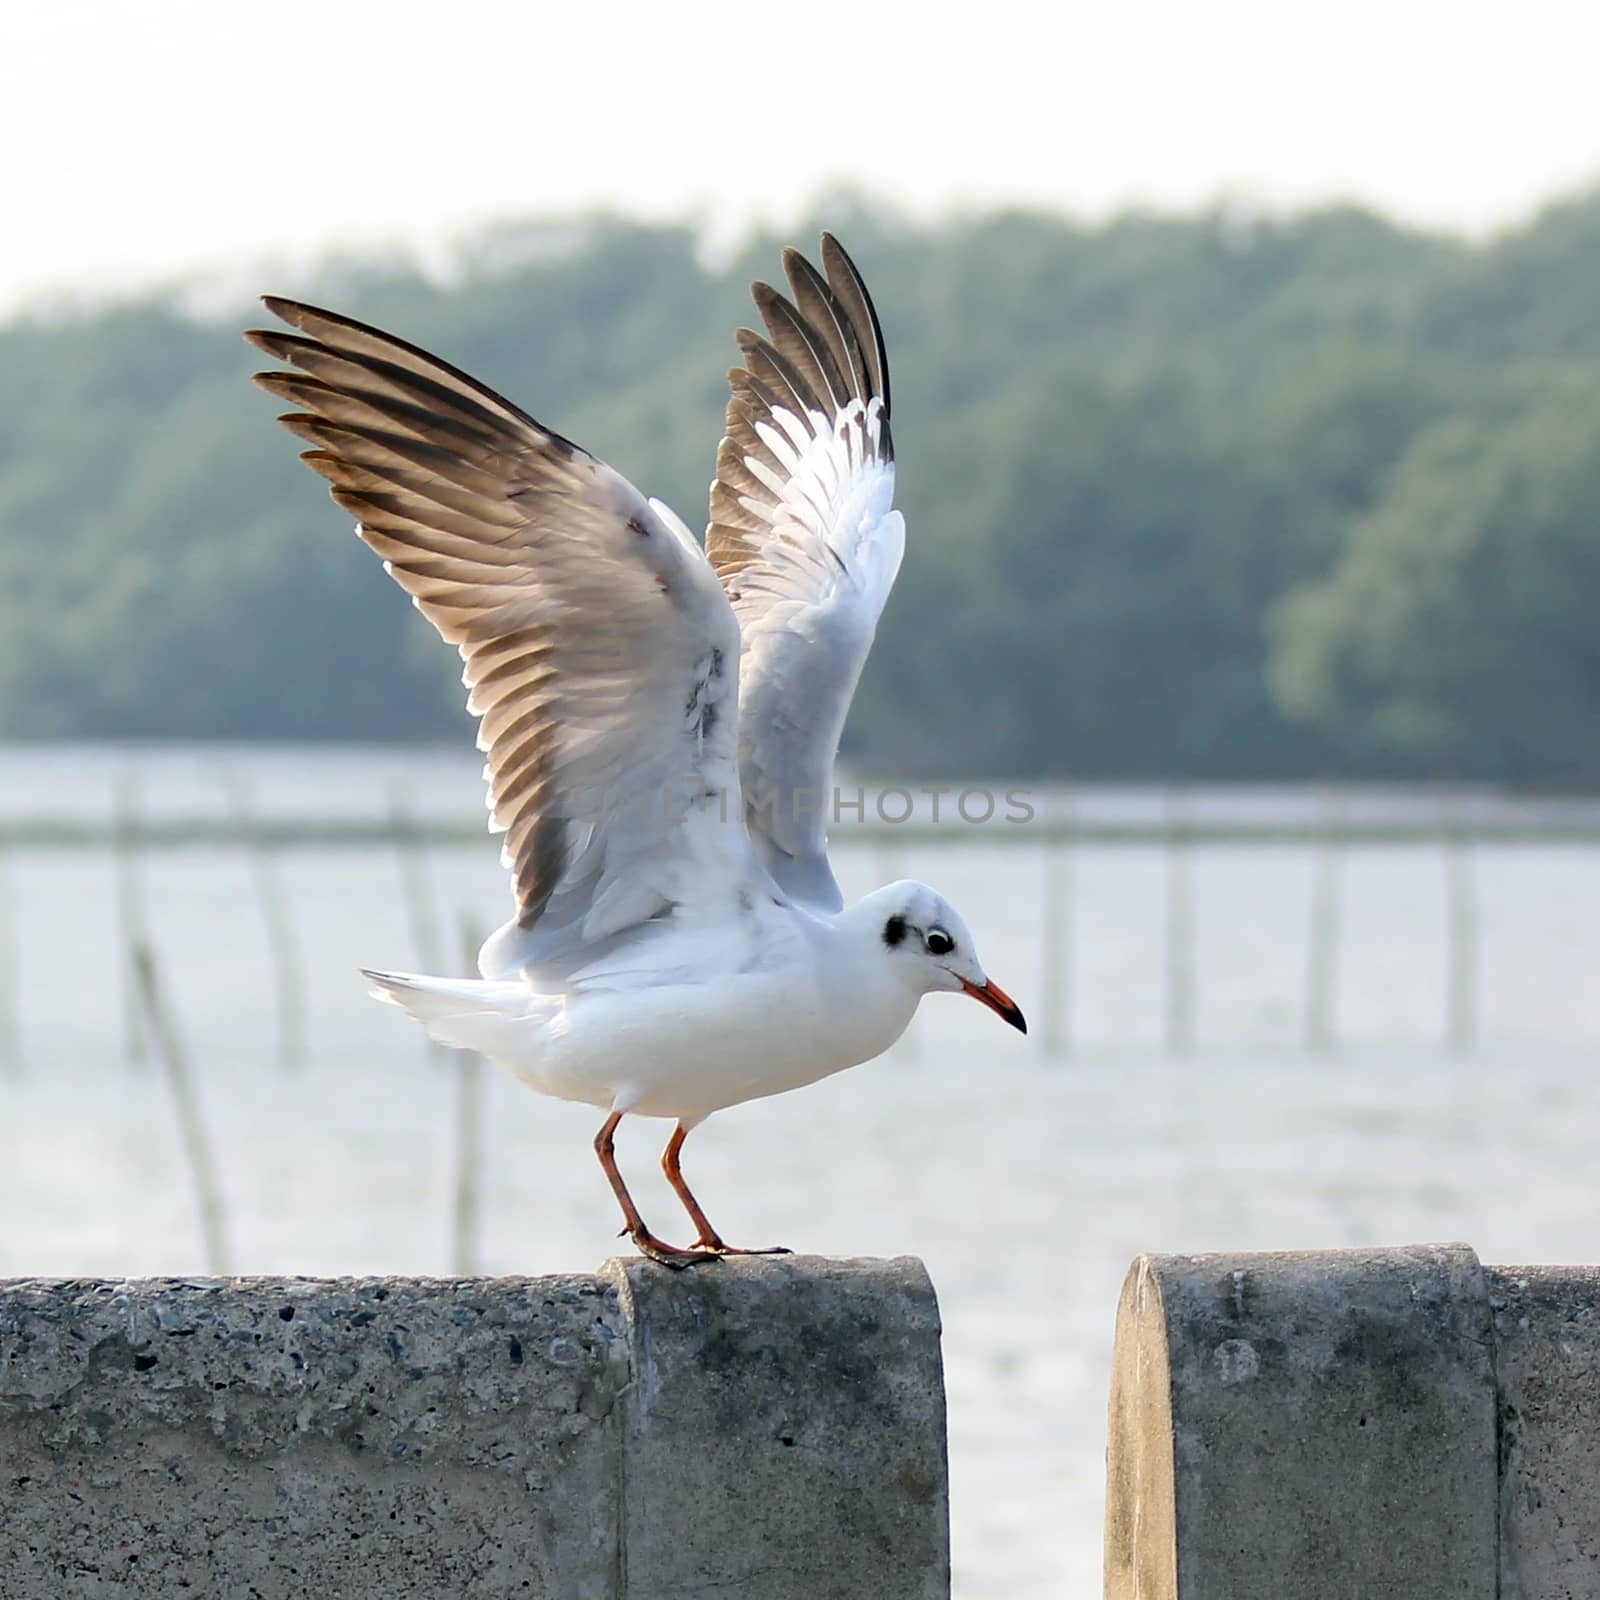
(806,540)
(600,652)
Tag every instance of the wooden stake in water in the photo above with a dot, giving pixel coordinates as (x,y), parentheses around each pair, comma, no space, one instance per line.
(1180,930)
(1056,934)
(10,975)
(469,1135)
(132,924)
(1322,949)
(283,946)
(416,889)
(1461,910)
(163,1031)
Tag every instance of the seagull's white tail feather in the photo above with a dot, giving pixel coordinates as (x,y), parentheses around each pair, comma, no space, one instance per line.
(467,1013)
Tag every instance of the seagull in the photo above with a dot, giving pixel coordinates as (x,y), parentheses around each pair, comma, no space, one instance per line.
(659,718)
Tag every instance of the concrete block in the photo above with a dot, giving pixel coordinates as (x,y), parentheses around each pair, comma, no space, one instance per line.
(1284,1427)
(788,1425)
(1547,1363)
(281,1437)
(580,1438)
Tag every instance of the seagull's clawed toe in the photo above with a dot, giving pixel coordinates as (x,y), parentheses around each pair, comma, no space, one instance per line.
(669,1255)
(715,1246)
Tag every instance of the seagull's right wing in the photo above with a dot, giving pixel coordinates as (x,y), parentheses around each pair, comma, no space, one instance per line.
(805,538)
(601,654)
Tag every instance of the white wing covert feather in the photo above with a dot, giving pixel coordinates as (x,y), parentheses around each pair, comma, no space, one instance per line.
(806,540)
(601,655)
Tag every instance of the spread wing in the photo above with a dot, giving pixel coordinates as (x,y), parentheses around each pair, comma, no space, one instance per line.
(601,654)
(807,543)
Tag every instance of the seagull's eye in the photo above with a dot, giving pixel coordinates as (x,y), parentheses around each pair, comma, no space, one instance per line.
(939,942)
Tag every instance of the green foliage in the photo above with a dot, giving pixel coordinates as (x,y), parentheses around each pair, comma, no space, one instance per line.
(1459,625)
(1218,496)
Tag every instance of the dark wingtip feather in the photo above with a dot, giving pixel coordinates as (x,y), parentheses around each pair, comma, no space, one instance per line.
(269,342)
(845,279)
(803,344)
(297,388)
(299,313)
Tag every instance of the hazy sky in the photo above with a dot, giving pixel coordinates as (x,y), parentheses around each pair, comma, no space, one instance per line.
(148,141)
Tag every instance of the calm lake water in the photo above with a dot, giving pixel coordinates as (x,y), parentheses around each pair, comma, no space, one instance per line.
(1027,1178)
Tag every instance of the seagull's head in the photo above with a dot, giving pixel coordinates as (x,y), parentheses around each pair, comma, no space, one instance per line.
(928,946)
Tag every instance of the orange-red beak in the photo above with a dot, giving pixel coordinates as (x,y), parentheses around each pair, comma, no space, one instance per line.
(999,1002)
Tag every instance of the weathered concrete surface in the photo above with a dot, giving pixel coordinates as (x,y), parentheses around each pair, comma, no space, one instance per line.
(290,1437)
(530,1437)
(1284,1427)
(786,1427)
(1547,1360)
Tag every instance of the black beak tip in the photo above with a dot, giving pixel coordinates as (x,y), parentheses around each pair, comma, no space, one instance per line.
(999,1002)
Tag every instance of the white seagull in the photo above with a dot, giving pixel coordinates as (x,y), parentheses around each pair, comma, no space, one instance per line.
(659,720)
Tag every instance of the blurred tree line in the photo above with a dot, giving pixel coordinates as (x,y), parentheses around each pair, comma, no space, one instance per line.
(1224,496)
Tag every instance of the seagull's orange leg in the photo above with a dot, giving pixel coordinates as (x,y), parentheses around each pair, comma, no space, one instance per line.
(667,1254)
(709,1238)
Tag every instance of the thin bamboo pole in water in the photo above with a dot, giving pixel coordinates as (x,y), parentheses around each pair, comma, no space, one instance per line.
(163,1032)
(416,889)
(1180,996)
(132,923)
(1055,939)
(10,974)
(283,946)
(466,1204)
(1322,950)
(1461,914)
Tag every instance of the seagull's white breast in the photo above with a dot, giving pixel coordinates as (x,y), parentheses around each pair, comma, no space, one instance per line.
(686,1049)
